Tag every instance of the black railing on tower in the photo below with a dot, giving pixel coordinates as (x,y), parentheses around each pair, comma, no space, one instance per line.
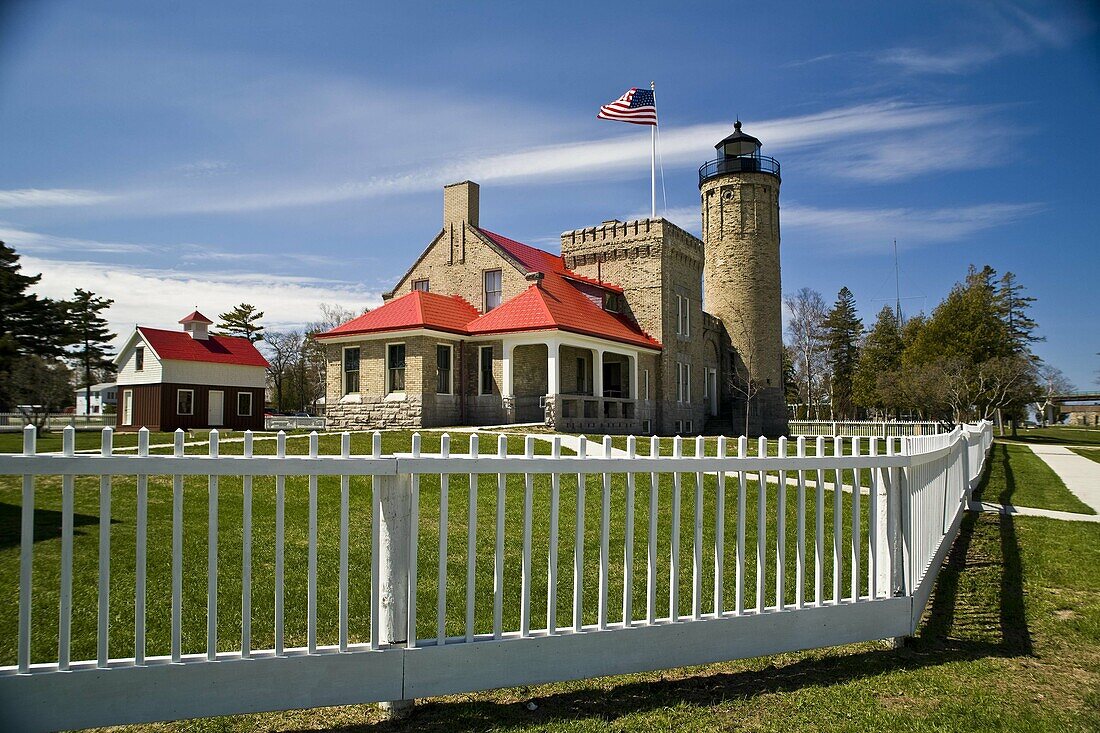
(742,164)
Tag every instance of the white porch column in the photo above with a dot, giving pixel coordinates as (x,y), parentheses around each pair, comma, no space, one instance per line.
(553,370)
(634,376)
(597,372)
(506,370)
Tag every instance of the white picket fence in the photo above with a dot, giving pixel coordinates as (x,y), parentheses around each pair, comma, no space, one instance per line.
(865,428)
(868,576)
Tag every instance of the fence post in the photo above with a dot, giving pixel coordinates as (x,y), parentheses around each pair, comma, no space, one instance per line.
(896,511)
(395,502)
(834,429)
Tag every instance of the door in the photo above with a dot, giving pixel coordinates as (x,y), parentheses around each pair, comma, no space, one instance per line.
(128,407)
(216,408)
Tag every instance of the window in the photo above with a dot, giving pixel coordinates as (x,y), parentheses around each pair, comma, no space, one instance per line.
(646,382)
(647,426)
(683,382)
(443,353)
(612,302)
(244,404)
(493,289)
(687,427)
(679,427)
(421,285)
(485,370)
(139,359)
(687,382)
(582,375)
(683,316)
(185,402)
(395,367)
(351,370)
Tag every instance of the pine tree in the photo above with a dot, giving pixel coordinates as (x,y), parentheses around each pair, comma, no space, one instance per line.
(879,359)
(843,330)
(1013,306)
(29,325)
(242,321)
(91,338)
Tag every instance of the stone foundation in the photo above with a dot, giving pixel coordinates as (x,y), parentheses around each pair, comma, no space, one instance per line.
(376,414)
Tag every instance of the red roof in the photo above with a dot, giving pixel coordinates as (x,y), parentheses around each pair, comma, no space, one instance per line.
(557,301)
(179,346)
(195,316)
(413,310)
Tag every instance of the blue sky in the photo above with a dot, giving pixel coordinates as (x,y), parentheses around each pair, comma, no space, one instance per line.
(177,154)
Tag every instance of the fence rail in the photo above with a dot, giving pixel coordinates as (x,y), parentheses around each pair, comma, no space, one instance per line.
(457,572)
(291,422)
(15,421)
(865,428)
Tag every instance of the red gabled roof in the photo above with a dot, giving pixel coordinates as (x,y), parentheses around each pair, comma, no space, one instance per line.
(195,316)
(557,301)
(179,346)
(417,309)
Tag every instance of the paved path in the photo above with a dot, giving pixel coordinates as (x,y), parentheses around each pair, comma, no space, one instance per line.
(985,506)
(1079,474)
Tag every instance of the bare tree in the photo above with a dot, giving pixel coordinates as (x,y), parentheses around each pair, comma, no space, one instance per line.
(284,350)
(806,327)
(742,378)
(1052,382)
(42,386)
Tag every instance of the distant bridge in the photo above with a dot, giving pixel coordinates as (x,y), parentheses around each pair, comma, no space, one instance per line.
(1082,396)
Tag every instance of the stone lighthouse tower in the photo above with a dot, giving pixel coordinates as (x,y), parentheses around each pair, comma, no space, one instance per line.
(741,280)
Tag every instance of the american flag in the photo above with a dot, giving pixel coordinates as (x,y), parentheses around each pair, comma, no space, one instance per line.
(637,106)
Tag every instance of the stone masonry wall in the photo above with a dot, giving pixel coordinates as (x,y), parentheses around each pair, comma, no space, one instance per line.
(742,282)
(654,260)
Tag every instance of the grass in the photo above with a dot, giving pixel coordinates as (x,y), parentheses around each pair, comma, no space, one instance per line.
(1021,478)
(1057,435)
(1092,454)
(1012,641)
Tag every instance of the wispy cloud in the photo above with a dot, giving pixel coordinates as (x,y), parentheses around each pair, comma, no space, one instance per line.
(24,240)
(860,230)
(159,297)
(32,197)
(879,144)
(870,229)
(998,30)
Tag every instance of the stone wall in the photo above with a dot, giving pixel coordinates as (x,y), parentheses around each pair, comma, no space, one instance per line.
(373,407)
(654,261)
(742,281)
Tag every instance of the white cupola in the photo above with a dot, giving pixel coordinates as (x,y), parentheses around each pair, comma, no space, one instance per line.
(197,326)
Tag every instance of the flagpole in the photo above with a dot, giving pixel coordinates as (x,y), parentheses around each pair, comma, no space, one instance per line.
(653,159)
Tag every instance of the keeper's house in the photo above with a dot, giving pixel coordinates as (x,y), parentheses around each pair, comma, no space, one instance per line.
(190,379)
(610,335)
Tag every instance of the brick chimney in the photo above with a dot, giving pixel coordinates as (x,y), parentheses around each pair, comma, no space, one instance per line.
(460,203)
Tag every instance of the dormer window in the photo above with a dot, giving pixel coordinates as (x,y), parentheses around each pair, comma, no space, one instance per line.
(139,359)
(612,302)
(493,289)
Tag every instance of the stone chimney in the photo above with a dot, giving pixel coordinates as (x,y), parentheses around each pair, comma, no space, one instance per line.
(460,203)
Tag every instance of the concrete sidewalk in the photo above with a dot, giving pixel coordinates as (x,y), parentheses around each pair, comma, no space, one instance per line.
(1079,474)
(1025,511)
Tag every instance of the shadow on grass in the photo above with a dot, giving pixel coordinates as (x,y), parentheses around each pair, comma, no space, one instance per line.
(977,611)
(47,524)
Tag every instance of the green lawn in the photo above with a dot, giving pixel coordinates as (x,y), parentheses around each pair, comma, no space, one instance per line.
(1058,434)
(1090,453)
(1012,643)
(1019,477)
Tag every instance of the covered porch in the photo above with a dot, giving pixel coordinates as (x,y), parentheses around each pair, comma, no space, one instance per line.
(574,383)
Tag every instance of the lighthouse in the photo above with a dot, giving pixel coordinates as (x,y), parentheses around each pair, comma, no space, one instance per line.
(739,192)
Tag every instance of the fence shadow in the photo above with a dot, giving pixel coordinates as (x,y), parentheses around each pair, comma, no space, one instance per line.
(962,624)
(47,524)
